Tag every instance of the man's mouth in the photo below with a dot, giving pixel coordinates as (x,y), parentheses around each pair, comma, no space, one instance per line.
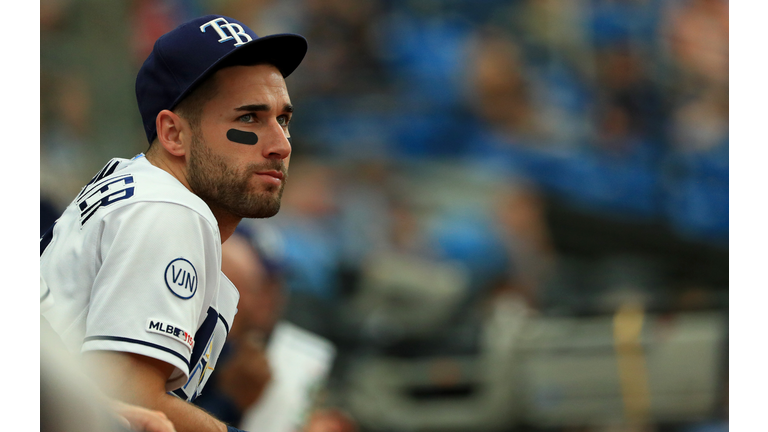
(272,176)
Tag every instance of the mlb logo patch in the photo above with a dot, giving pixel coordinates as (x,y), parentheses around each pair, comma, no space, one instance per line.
(165,329)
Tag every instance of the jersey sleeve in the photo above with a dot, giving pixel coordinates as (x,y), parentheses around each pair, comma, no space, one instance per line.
(159,272)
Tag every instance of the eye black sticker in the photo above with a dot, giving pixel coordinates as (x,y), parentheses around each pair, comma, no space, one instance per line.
(242,137)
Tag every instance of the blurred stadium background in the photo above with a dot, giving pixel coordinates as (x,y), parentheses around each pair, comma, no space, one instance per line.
(506,214)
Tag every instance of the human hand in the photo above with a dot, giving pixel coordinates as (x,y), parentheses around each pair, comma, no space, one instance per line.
(245,376)
(142,419)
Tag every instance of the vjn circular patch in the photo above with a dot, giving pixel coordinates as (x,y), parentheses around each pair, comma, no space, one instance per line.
(181,278)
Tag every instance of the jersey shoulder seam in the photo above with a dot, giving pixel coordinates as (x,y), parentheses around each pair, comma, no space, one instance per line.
(210,218)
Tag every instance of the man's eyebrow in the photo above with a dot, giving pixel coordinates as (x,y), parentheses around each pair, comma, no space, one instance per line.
(263,107)
(260,107)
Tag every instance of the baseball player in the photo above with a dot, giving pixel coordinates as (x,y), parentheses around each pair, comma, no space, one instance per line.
(134,262)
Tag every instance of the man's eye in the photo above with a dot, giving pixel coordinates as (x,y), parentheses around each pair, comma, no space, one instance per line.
(283,120)
(246,118)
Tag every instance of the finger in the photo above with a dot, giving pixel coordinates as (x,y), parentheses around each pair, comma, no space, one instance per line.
(123,421)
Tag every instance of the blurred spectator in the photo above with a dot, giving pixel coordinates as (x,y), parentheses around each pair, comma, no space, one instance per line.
(365,213)
(87,92)
(696,32)
(468,239)
(629,107)
(262,298)
(65,142)
(524,231)
(424,50)
(406,229)
(243,371)
(310,225)
(556,41)
(342,60)
(310,209)
(700,124)
(501,93)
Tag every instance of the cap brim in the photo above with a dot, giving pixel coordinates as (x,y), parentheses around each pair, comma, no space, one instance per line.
(285,51)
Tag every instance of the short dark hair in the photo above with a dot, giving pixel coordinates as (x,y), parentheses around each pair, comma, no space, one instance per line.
(191,107)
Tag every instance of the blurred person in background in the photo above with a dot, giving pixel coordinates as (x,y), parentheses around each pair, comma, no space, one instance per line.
(309,224)
(628,106)
(342,57)
(519,211)
(244,372)
(555,39)
(502,97)
(364,210)
(87,92)
(65,136)
(695,35)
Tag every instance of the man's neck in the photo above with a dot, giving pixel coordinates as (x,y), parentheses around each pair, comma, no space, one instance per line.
(169,166)
(227,221)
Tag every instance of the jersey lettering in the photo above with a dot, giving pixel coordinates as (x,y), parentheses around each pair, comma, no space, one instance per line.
(103,194)
(108,169)
(187,280)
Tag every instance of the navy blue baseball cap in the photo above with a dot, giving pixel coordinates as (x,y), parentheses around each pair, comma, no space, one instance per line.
(184,57)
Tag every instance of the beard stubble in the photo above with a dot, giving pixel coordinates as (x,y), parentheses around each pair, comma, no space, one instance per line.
(222,186)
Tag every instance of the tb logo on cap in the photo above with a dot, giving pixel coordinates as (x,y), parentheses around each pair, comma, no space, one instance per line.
(235,31)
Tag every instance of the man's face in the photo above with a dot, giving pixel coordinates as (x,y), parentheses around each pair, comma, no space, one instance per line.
(246,180)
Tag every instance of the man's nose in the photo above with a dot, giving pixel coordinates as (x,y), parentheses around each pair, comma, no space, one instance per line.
(277,144)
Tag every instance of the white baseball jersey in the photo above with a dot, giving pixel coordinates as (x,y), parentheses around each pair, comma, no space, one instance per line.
(134,265)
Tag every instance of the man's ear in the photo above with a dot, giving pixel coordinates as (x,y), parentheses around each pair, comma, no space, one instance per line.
(170,130)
